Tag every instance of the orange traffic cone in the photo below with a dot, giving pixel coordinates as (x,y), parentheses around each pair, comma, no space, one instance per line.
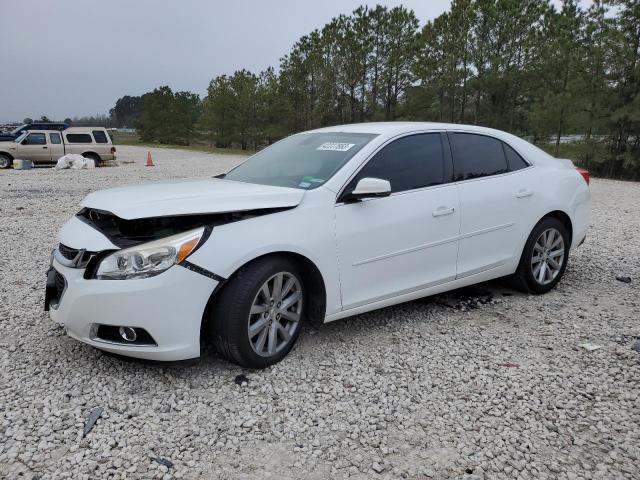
(149,160)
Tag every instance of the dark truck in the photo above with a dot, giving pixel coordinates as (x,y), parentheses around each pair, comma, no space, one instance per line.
(15,133)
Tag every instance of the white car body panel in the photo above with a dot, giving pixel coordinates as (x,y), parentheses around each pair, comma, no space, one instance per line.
(77,234)
(489,241)
(175,300)
(423,250)
(370,254)
(191,196)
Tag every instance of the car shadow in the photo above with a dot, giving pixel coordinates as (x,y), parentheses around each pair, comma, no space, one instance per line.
(462,299)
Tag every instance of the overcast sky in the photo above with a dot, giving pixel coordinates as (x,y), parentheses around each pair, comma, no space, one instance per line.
(77,57)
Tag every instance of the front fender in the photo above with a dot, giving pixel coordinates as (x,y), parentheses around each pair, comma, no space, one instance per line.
(307,230)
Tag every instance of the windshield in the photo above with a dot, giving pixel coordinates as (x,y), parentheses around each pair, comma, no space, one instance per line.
(305,161)
(17,129)
(19,138)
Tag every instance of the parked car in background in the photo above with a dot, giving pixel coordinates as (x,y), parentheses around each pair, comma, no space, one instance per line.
(42,146)
(15,133)
(319,226)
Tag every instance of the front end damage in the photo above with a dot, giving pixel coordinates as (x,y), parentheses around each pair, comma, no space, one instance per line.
(156,318)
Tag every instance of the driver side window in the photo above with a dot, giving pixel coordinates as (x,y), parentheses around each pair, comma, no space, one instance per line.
(411,162)
(35,139)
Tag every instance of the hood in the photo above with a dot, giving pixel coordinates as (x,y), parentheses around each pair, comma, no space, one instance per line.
(191,196)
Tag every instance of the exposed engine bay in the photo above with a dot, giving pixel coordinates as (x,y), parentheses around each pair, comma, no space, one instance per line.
(127,233)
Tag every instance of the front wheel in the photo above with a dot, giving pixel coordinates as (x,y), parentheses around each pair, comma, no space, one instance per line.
(5,161)
(258,314)
(544,258)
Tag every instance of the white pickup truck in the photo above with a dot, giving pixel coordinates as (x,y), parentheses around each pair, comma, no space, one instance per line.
(47,146)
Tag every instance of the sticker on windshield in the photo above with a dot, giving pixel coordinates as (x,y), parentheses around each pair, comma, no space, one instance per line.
(335,146)
(304,184)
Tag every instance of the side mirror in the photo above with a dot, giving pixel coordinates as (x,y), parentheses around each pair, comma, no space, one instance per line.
(370,188)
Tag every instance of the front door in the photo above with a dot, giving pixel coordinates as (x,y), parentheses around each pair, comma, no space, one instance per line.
(34,147)
(406,241)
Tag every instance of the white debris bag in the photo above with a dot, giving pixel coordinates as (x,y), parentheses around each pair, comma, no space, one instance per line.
(75,161)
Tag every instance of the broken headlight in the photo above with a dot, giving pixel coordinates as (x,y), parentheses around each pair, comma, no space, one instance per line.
(149,259)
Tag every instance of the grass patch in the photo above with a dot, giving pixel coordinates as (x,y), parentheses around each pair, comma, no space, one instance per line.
(123,138)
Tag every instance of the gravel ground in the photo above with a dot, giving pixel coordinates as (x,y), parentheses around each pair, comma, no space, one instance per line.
(480,383)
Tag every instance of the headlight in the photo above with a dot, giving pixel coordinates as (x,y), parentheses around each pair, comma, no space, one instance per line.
(149,259)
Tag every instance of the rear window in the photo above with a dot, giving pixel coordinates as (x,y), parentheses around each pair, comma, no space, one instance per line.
(79,138)
(516,162)
(100,136)
(55,138)
(477,156)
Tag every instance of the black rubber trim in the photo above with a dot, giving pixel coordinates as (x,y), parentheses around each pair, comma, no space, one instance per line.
(201,271)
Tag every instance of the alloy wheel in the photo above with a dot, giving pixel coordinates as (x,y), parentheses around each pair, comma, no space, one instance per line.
(548,256)
(275,314)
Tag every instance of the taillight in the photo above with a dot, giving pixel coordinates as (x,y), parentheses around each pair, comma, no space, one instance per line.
(585,174)
(113,150)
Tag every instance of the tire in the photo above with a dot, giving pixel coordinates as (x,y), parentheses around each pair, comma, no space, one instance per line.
(245,292)
(5,161)
(94,157)
(537,253)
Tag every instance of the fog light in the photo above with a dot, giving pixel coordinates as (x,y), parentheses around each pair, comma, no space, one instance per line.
(128,334)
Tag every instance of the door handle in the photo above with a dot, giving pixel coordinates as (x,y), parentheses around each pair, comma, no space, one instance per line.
(44,147)
(524,193)
(443,211)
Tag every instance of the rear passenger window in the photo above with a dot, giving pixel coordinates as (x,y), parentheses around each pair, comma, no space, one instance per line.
(79,138)
(515,161)
(100,136)
(55,138)
(476,156)
(410,162)
(35,139)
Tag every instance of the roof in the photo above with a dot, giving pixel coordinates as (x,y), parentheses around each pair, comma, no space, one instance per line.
(400,127)
(391,129)
(81,129)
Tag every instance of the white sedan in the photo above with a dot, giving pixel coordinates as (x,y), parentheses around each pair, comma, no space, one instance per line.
(321,225)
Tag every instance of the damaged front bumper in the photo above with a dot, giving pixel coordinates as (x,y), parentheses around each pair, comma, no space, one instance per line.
(168,307)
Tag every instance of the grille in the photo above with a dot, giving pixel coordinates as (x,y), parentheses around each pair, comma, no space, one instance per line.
(67,252)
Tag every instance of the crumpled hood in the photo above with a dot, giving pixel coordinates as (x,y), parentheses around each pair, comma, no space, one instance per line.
(190,196)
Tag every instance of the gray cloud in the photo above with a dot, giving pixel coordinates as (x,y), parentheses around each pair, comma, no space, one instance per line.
(77,57)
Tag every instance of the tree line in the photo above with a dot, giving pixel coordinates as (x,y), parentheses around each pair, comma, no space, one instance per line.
(527,67)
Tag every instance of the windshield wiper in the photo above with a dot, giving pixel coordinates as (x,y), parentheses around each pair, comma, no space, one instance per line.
(220,175)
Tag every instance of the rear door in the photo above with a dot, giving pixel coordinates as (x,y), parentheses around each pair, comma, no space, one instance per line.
(55,145)
(409,240)
(496,201)
(34,147)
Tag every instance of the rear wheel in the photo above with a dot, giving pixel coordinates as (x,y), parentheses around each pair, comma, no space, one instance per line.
(544,258)
(5,161)
(258,314)
(93,157)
